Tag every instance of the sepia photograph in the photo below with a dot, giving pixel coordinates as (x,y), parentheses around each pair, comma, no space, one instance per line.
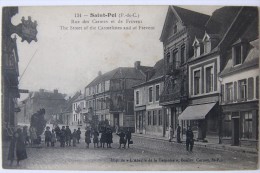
(130,88)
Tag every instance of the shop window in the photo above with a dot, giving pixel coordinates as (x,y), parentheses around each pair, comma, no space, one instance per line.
(154,118)
(160,117)
(157,92)
(149,118)
(209,79)
(227,127)
(246,125)
(197,82)
(242,86)
(229,92)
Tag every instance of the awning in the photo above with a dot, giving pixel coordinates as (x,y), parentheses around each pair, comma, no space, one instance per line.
(196,112)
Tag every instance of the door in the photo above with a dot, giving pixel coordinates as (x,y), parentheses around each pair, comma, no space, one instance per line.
(116,120)
(235,131)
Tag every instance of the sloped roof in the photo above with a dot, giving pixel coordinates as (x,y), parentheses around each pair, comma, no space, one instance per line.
(80,97)
(47,95)
(191,17)
(188,17)
(159,70)
(251,60)
(121,72)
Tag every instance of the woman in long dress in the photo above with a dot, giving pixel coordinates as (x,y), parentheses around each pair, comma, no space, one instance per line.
(17,150)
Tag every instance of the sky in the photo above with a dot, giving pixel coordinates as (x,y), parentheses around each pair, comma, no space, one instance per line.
(68,60)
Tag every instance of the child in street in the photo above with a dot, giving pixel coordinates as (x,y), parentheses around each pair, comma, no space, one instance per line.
(47,134)
(53,138)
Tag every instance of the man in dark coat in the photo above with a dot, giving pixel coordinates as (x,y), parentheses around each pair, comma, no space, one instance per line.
(103,138)
(95,138)
(47,135)
(17,150)
(88,137)
(78,135)
(109,135)
(128,136)
(62,136)
(68,136)
(189,139)
(178,133)
(57,131)
(121,138)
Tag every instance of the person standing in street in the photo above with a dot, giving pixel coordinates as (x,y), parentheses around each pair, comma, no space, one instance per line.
(128,136)
(109,137)
(78,135)
(103,138)
(171,134)
(33,135)
(68,136)
(62,136)
(189,139)
(121,139)
(53,138)
(95,138)
(74,137)
(178,133)
(47,135)
(17,150)
(57,131)
(88,137)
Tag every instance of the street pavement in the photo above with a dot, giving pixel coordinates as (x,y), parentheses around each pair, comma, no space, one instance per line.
(144,154)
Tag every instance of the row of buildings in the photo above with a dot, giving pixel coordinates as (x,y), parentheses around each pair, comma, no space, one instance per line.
(208,78)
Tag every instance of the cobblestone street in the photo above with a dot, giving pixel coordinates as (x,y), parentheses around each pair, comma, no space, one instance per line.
(145,154)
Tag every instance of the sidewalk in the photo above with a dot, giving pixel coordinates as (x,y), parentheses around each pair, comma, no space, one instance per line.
(215,146)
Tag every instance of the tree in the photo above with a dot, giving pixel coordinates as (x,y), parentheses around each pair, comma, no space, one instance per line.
(38,121)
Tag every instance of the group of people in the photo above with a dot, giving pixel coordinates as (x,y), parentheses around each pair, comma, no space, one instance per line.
(106,137)
(63,135)
(189,137)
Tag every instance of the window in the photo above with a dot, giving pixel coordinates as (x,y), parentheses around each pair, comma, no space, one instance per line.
(207,46)
(149,118)
(160,117)
(229,92)
(227,126)
(150,94)
(137,97)
(246,125)
(175,28)
(196,47)
(209,79)
(168,57)
(196,82)
(154,118)
(175,59)
(237,55)
(242,90)
(102,103)
(182,54)
(107,103)
(157,92)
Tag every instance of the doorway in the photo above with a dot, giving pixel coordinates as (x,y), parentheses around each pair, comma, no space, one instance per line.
(235,131)
(116,120)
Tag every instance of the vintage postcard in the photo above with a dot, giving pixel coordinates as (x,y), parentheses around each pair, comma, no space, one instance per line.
(130,88)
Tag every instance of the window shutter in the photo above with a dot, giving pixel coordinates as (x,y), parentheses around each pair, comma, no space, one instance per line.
(257,87)
(235,91)
(250,88)
(222,93)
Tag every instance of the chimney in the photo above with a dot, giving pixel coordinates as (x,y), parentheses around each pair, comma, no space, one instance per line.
(55,91)
(137,65)
(99,73)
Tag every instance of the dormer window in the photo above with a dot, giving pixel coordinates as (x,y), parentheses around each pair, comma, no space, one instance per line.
(196,47)
(207,43)
(239,51)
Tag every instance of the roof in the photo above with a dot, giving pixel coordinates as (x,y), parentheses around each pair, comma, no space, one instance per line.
(252,59)
(80,97)
(121,72)
(48,95)
(68,104)
(187,17)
